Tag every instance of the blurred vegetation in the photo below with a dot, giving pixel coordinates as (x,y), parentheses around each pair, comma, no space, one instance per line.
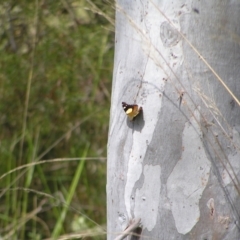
(56,69)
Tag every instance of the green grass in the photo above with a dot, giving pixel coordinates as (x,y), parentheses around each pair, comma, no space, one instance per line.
(56,69)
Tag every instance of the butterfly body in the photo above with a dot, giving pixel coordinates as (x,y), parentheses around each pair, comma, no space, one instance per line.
(132,110)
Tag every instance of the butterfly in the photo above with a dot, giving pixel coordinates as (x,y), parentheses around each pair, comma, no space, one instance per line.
(131,110)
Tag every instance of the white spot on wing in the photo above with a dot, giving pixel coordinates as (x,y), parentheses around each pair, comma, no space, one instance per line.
(129,110)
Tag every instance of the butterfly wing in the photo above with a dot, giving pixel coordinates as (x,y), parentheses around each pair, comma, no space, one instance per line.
(132,110)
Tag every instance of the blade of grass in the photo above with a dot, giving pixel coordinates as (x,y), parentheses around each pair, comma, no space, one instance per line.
(29,85)
(32,148)
(58,227)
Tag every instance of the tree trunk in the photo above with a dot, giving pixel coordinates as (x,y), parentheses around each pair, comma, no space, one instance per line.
(176,166)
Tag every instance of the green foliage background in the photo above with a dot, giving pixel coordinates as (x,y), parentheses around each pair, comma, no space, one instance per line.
(55,79)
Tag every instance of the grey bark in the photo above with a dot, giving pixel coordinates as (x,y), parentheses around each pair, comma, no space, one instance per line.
(176,166)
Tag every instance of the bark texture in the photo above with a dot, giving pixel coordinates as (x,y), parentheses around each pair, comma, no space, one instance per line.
(177,165)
